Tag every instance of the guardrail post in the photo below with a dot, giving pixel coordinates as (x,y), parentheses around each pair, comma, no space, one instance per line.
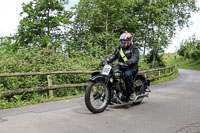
(50,84)
(159,74)
(171,68)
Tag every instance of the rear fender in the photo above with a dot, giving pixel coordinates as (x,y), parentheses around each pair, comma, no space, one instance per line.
(141,76)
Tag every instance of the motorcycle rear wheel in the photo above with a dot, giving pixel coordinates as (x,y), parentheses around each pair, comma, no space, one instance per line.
(97,97)
(139,86)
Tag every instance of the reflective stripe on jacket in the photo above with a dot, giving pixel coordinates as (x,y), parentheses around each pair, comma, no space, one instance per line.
(131,53)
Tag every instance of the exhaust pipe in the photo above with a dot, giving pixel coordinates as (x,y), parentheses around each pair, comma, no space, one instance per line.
(139,98)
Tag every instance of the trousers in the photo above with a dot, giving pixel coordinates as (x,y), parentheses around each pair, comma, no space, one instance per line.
(129,74)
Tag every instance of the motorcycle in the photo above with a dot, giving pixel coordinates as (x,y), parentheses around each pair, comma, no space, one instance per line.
(108,87)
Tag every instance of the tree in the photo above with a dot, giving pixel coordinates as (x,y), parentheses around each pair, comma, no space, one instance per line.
(190,48)
(95,27)
(182,49)
(44,23)
(164,16)
(153,23)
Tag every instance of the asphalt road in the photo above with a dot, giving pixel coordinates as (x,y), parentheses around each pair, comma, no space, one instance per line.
(173,107)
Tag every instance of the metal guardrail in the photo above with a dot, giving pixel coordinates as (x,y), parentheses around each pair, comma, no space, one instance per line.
(50,87)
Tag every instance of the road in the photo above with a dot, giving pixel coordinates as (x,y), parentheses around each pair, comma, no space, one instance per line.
(173,107)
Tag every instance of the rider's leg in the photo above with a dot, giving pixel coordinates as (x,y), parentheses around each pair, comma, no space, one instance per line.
(129,74)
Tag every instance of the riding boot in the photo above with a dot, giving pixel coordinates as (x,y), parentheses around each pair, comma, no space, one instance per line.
(132,96)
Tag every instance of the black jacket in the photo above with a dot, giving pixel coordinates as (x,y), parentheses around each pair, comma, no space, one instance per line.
(131,53)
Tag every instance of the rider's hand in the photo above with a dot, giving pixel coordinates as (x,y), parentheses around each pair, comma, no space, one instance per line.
(125,64)
(103,63)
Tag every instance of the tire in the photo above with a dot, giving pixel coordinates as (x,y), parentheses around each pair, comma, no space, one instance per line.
(139,87)
(97,92)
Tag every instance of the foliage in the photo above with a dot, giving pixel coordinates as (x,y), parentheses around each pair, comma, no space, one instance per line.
(7,45)
(165,79)
(49,38)
(159,60)
(97,24)
(37,59)
(45,60)
(44,24)
(42,60)
(174,59)
(190,48)
(153,23)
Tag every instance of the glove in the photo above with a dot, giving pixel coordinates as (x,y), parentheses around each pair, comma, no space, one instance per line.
(103,63)
(123,66)
(126,64)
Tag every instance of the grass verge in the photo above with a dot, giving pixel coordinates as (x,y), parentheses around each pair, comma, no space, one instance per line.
(165,79)
(180,62)
(5,104)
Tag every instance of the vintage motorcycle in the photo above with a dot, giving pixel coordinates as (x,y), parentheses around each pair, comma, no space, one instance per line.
(108,87)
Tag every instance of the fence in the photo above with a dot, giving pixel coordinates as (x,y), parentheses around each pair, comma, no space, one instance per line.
(151,74)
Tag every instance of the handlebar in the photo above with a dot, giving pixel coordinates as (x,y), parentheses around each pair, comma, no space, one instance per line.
(122,64)
(119,64)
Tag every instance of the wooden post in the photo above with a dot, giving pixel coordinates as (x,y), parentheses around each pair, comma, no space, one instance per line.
(50,84)
(159,74)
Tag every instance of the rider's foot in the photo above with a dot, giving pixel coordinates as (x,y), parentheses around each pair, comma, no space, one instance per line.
(132,96)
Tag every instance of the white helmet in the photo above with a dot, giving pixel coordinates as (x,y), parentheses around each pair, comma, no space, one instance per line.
(125,40)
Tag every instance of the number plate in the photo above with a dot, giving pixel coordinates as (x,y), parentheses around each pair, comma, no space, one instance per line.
(106,70)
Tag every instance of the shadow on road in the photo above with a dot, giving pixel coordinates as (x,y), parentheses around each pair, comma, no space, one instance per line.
(125,106)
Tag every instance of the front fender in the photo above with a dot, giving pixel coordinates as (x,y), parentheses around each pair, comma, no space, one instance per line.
(98,78)
(95,73)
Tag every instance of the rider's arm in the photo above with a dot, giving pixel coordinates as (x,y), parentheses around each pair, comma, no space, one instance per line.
(114,56)
(134,57)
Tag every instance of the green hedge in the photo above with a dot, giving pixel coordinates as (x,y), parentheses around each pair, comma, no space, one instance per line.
(47,60)
(43,60)
(36,59)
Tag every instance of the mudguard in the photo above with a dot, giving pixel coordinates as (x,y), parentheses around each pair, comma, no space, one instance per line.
(141,76)
(97,78)
(95,73)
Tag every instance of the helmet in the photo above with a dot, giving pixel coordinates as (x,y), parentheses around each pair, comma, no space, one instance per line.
(125,40)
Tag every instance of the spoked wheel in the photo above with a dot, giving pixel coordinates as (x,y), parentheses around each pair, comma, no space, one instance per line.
(97,97)
(139,88)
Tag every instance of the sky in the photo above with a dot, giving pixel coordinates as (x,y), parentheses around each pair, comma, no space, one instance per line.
(10,10)
(186,32)
(10,15)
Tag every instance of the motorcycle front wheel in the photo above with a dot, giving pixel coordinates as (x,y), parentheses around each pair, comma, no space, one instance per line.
(97,97)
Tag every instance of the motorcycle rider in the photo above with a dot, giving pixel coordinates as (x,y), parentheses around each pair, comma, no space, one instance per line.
(128,54)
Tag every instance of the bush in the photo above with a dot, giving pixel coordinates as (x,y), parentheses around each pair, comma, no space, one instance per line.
(159,61)
(42,60)
(45,60)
